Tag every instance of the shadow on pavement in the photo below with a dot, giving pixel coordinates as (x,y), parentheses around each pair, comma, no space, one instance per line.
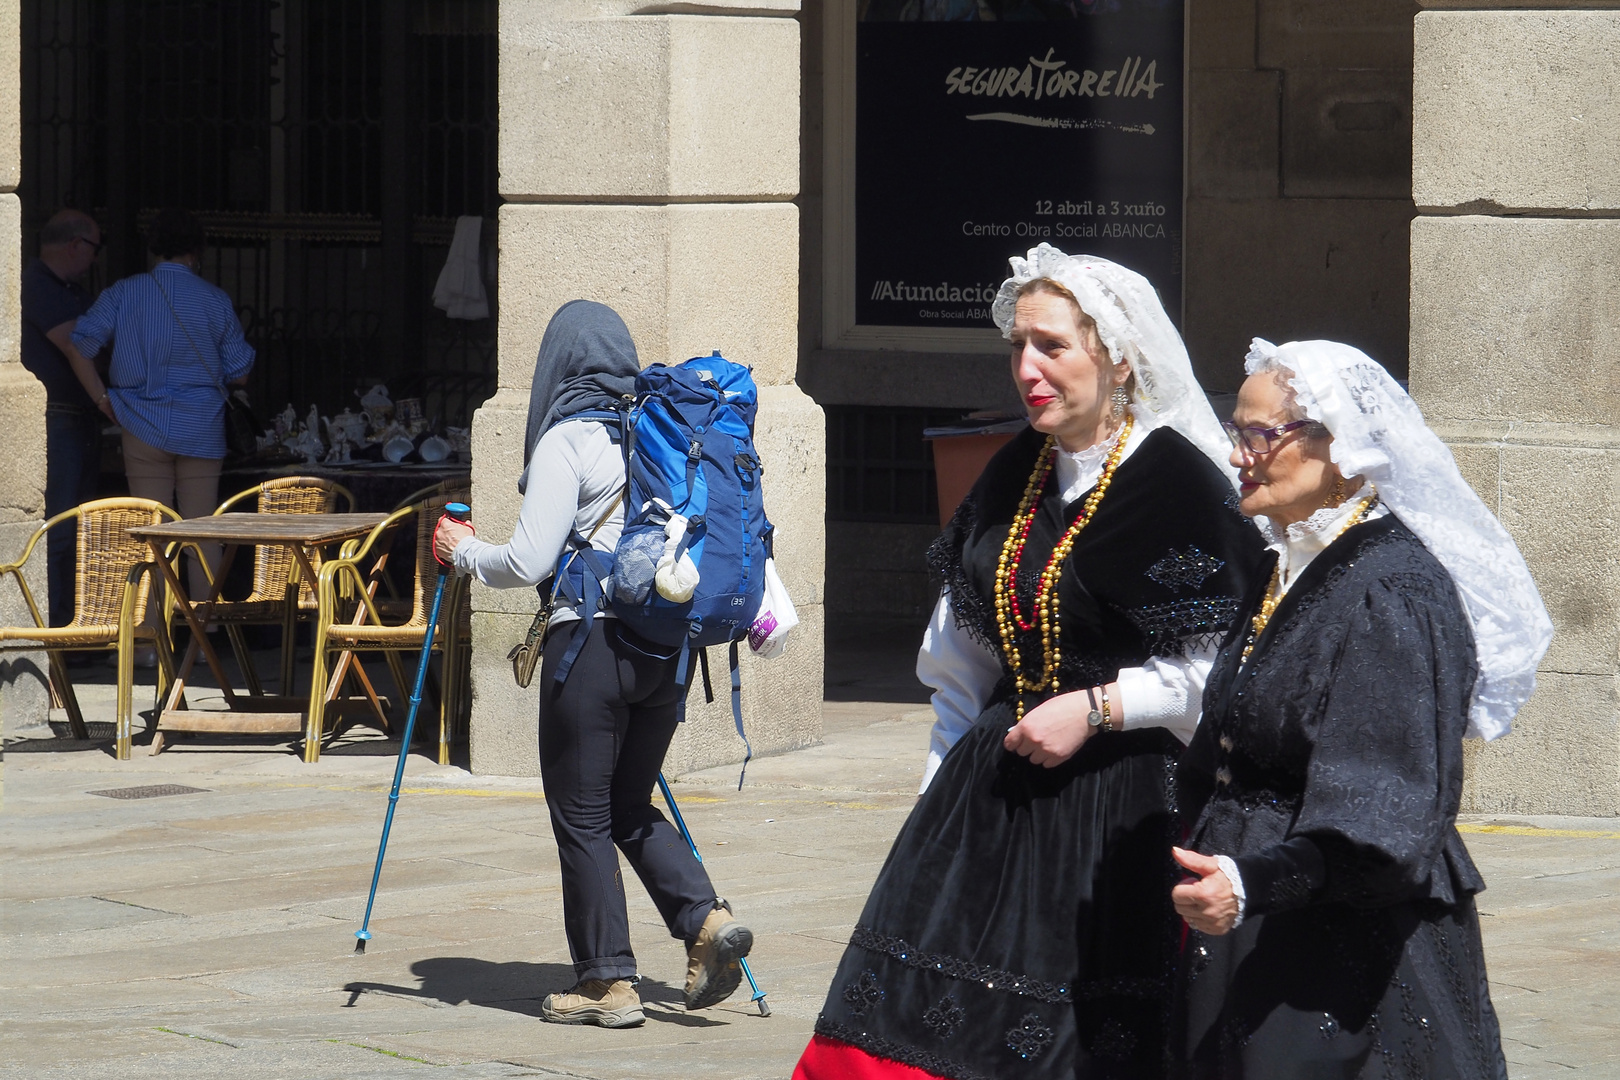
(515,987)
(353,741)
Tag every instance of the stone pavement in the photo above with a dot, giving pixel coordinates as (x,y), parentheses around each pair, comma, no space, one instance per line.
(210,933)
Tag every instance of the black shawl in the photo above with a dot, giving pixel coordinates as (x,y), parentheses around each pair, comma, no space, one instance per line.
(1329,767)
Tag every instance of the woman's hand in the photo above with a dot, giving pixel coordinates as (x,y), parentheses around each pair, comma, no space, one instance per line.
(1053,731)
(1209,905)
(449,533)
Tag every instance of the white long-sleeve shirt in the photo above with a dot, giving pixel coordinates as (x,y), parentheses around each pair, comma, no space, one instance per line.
(1165,692)
(575,474)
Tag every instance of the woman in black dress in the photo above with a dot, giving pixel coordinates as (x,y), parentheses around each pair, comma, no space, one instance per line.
(1022,925)
(1334,932)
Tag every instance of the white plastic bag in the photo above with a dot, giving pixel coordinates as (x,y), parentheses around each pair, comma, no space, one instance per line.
(776,619)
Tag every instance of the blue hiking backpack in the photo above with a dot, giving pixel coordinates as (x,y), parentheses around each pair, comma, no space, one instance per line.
(688,442)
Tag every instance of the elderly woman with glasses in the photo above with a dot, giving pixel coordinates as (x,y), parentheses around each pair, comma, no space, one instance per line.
(1330,898)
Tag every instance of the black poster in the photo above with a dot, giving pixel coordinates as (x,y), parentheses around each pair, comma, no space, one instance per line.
(975,140)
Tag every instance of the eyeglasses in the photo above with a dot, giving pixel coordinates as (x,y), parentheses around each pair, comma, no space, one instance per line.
(96,244)
(1260,440)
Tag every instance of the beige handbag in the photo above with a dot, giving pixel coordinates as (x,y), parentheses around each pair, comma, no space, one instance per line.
(525,655)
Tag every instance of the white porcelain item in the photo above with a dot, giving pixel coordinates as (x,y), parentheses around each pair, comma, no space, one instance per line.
(397,449)
(434,449)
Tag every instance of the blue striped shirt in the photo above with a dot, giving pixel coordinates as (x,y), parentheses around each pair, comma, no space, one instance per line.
(167,390)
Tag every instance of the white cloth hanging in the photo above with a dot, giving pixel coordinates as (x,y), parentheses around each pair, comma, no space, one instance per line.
(459,291)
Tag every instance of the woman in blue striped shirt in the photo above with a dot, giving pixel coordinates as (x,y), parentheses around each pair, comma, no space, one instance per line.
(177,347)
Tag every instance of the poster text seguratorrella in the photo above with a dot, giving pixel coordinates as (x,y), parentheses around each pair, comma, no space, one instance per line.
(978,140)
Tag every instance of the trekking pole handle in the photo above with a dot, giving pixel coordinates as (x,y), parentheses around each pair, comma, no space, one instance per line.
(456,511)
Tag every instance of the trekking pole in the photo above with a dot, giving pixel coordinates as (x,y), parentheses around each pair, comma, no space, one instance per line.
(686,834)
(456,512)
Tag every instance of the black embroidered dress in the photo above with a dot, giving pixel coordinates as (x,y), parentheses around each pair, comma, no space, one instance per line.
(1021,926)
(1329,767)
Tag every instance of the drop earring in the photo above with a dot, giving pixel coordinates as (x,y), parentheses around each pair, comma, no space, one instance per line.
(1120,399)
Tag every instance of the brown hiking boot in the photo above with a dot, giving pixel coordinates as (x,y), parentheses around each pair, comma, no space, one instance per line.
(609,1004)
(712,962)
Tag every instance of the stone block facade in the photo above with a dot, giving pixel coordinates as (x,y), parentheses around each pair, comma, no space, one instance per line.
(667,159)
(688,278)
(650,161)
(648,108)
(1514,319)
(1518,110)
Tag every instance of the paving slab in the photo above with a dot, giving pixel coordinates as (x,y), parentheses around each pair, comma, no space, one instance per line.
(211,934)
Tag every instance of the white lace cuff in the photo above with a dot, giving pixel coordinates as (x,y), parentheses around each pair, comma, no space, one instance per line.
(1229,868)
(1165,692)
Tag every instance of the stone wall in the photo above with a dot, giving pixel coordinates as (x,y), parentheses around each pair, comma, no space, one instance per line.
(1298,177)
(650,160)
(1515,318)
(23,690)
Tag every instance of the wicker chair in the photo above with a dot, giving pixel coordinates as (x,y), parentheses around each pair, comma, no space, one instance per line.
(368,630)
(114,579)
(274,570)
(393,606)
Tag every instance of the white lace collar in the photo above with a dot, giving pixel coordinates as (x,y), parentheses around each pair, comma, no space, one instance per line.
(1079,470)
(1302,541)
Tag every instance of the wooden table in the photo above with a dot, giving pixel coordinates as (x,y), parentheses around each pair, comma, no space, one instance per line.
(304,534)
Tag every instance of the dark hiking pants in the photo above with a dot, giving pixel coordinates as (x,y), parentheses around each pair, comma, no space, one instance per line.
(603,735)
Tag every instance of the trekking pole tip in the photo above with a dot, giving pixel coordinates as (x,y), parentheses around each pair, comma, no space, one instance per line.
(361,937)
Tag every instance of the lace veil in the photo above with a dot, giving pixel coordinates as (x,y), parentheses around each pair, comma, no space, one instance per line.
(1379,433)
(1135,329)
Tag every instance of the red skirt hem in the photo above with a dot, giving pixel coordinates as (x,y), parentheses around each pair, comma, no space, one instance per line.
(829,1059)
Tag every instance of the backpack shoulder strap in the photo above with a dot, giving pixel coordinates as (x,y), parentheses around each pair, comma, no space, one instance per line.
(581,545)
(587,598)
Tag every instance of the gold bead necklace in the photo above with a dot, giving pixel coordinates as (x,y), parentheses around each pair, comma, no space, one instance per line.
(1009,618)
(1268,606)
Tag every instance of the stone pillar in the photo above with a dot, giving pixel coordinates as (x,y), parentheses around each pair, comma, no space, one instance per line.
(23,694)
(1516,349)
(651,162)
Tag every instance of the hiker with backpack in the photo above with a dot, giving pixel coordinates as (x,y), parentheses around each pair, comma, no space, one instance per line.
(611,695)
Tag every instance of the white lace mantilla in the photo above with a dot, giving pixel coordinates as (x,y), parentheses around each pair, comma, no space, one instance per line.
(1135,330)
(1379,433)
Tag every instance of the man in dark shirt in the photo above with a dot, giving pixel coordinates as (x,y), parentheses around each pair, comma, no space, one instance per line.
(75,395)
